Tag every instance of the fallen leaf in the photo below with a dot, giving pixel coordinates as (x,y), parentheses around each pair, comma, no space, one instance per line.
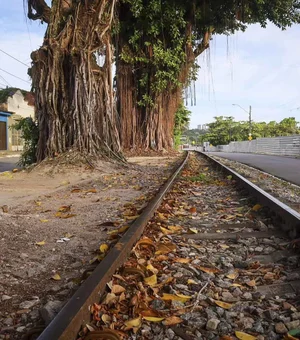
(177,297)
(56,277)
(38,203)
(182,260)
(161,258)
(193,230)
(75,190)
(117,231)
(232,276)
(145,242)
(193,210)
(63,215)
(172,320)
(224,246)
(224,305)
(174,228)
(106,318)
(44,221)
(251,283)
(153,318)
(93,191)
(236,285)
(151,280)
(137,322)
(209,270)
(166,231)
(165,248)
(117,289)
(103,248)
(152,269)
(244,336)
(192,282)
(42,243)
(257,207)
(65,208)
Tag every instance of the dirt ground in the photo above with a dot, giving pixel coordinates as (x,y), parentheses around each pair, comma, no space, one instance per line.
(51,227)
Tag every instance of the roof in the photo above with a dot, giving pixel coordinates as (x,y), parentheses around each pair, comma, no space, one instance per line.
(10,91)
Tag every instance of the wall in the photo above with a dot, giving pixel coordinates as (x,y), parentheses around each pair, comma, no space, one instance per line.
(282,146)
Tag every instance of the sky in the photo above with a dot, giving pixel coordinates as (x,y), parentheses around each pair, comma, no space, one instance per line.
(260,67)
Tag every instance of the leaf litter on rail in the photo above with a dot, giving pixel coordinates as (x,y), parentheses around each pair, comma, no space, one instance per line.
(192,284)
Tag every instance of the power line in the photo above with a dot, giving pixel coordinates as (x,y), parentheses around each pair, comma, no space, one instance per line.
(5,80)
(14,76)
(19,61)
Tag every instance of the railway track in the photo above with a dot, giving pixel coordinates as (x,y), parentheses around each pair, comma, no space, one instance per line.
(209,258)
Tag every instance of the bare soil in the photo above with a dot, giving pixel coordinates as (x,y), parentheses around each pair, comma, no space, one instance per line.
(54,222)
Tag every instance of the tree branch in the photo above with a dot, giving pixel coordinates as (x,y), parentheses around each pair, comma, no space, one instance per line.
(41,9)
(204,43)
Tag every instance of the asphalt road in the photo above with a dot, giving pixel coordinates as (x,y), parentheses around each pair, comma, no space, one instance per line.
(282,167)
(8,163)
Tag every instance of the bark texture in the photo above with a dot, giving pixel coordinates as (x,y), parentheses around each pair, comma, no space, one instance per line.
(74,93)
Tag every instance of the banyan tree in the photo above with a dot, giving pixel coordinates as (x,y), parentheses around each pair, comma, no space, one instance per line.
(72,78)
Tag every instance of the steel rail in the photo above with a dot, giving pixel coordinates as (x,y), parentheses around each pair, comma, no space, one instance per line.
(289,216)
(75,313)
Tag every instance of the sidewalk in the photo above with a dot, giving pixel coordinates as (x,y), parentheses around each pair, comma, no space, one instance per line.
(10,154)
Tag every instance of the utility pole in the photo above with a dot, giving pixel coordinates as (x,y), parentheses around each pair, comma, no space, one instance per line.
(250,123)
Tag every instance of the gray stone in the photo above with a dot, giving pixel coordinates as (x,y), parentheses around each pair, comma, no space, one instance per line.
(177,304)
(29,304)
(293,276)
(20,329)
(270,314)
(273,336)
(210,314)
(237,292)
(247,296)
(198,322)
(293,260)
(5,297)
(8,322)
(49,311)
(212,324)
(258,328)
(220,311)
(170,333)
(247,322)
(224,328)
(34,314)
(296,316)
(158,304)
(280,328)
(228,297)
(23,256)
(293,324)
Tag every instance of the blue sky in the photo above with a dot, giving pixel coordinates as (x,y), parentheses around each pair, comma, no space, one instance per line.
(260,67)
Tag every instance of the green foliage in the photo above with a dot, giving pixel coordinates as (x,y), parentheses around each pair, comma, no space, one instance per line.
(30,134)
(225,129)
(182,119)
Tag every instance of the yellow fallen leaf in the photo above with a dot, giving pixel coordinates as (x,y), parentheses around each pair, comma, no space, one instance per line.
(133,323)
(177,297)
(56,277)
(44,221)
(103,248)
(151,280)
(209,270)
(174,228)
(224,246)
(236,285)
(42,243)
(65,208)
(38,203)
(192,282)
(244,336)
(172,320)
(257,207)
(118,231)
(193,230)
(152,269)
(117,289)
(153,318)
(145,242)
(63,215)
(232,276)
(251,283)
(166,231)
(131,218)
(224,305)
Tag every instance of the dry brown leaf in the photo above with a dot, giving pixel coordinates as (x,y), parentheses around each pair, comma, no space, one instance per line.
(182,260)
(193,210)
(145,242)
(75,190)
(209,270)
(177,297)
(65,208)
(165,248)
(257,207)
(153,318)
(232,276)
(137,322)
(172,320)
(110,298)
(244,336)
(166,231)
(251,283)
(151,280)
(224,305)
(93,191)
(175,229)
(63,215)
(106,318)
(161,258)
(117,289)
(118,231)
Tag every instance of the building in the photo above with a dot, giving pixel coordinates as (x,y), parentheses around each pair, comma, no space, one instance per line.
(202,127)
(15,104)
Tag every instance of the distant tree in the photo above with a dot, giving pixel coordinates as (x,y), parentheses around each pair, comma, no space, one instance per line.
(182,120)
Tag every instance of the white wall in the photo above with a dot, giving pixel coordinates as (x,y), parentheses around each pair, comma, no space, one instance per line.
(19,106)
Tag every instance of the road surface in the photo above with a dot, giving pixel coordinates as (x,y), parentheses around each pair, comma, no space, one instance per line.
(8,163)
(283,167)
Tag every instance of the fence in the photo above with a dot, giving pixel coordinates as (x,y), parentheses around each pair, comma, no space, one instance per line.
(283,146)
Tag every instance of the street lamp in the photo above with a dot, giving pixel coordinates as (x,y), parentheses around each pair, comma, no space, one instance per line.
(249,113)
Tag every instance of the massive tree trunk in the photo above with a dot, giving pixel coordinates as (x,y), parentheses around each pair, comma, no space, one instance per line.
(151,127)
(74,93)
